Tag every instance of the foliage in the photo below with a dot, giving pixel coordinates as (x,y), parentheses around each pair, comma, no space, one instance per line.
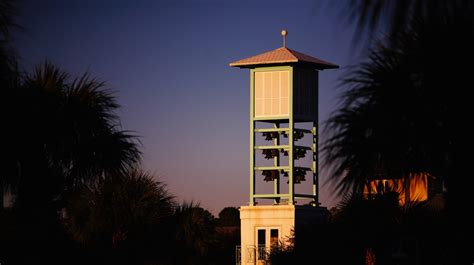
(401,113)
(124,214)
(118,209)
(229,216)
(63,134)
(358,226)
(194,234)
(396,116)
(396,16)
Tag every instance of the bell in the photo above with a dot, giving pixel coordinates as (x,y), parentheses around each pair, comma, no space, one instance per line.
(270,153)
(299,175)
(267,178)
(275,152)
(275,135)
(269,136)
(267,153)
(299,178)
(270,175)
(298,135)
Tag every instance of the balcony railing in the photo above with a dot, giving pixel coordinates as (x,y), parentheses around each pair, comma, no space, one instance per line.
(254,255)
(238,255)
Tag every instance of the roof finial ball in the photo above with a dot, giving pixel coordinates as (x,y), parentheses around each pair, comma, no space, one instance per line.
(284,33)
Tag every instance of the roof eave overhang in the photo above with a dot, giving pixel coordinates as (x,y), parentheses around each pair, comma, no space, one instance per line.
(282,63)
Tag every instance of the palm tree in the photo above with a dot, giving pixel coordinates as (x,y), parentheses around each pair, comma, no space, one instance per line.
(8,78)
(63,134)
(125,214)
(58,135)
(194,235)
(395,16)
(401,111)
(7,11)
(398,112)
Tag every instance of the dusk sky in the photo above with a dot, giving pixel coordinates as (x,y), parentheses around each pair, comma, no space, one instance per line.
(168,62)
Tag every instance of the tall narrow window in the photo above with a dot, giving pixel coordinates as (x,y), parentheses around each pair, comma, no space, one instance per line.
(273,238)
(261,237)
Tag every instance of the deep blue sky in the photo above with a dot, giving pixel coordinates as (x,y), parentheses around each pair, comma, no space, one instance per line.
(168,63)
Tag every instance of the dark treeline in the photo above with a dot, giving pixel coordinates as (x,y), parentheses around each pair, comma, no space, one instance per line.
(71,187)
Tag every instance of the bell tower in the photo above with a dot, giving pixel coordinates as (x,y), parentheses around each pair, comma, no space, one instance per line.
(283,148)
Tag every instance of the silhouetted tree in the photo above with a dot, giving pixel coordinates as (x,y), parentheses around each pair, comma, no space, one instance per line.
(357,227)
(395,16)
(229,216)
(125,215)
(63,134)
(60,135)
(398,112)
(401,110)
(194,235)
(228,235)
(8,83)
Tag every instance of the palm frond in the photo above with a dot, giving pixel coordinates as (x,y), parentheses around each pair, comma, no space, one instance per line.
(118,208)
(394,108)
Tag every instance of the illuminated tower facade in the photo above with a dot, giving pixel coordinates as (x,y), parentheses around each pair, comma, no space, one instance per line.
(283,148)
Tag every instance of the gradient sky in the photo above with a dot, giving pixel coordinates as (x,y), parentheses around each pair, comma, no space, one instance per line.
(168,63)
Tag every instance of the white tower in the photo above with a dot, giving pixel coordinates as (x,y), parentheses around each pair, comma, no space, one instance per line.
(283,100)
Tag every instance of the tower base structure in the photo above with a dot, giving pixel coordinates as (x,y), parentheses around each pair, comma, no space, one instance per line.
(264,227)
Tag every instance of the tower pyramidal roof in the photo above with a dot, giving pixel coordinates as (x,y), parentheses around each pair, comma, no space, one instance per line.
(283,55)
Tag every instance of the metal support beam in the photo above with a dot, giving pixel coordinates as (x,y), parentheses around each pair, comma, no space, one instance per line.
(305,196)
(252,140)
(284,168)
(291,127)
(271,196)
(276,163)
(284,147)
(276,129)
(266,147)
(315,165)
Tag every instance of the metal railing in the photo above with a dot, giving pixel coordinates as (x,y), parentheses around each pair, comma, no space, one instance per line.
(254,255)
(238,255)
(262,255)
